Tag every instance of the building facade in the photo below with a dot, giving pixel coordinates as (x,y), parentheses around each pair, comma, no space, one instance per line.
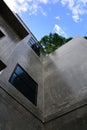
(40,92)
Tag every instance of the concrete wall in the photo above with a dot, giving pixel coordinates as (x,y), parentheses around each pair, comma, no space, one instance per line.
(61,89)
(75,120)
(65,78)
(14,116)
(62,85)
(8,42)
(13,51)
(29,61)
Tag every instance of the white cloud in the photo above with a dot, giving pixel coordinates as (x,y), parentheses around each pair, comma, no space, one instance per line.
(77,7)
(32,6)
(57,17)
(35,8)
(76,18)
(69,2)
(43,1)
(59,30)
(18,5)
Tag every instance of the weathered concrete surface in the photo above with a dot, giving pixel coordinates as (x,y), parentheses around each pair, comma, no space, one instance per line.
(14,117)
(8,42)
(62,85)
(65,78)
(13,51)
(13,20)
(24,56)
(75,120)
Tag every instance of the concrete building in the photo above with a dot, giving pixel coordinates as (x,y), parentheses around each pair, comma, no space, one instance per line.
(40,92)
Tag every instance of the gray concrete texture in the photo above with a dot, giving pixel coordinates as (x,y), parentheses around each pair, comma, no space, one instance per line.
(65,78)
(62,85)
(13,116)
(14,51)
(8,42)
(62,92)
(24,56)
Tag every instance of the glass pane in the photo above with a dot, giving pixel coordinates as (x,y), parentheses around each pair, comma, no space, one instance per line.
(36,49)
(13,78)
(25,77)
(1,34)
(34,45)
(24,83)
(18,70)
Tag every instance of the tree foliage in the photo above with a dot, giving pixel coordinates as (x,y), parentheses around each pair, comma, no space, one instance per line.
(51,42)
(68,39)
(85,37)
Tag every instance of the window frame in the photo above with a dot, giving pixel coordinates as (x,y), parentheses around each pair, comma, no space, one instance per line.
(2,65)
(34,45)
(18,76)
(1,34)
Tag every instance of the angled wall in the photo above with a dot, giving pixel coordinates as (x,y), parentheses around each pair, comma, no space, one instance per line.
(9,41)
(61,78)
(65,78)
(15,49)
(29,61)
(13,116)
(16,112)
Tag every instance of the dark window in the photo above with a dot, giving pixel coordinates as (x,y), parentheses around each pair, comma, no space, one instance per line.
(24,83)
(1,34)
(34,45)
(2,65)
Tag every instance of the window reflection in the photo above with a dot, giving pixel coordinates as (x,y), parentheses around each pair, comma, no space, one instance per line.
(34,45)
(24,83)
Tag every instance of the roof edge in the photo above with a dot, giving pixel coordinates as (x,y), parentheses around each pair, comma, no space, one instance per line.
(12,19)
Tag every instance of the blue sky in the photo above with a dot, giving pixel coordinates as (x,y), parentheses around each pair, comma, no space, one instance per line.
(68,18)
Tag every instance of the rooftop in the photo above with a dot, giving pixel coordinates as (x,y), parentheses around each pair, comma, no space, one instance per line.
(13,20)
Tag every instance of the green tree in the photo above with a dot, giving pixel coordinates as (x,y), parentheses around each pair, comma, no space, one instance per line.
(51,42)
(68,39)
(85,37)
